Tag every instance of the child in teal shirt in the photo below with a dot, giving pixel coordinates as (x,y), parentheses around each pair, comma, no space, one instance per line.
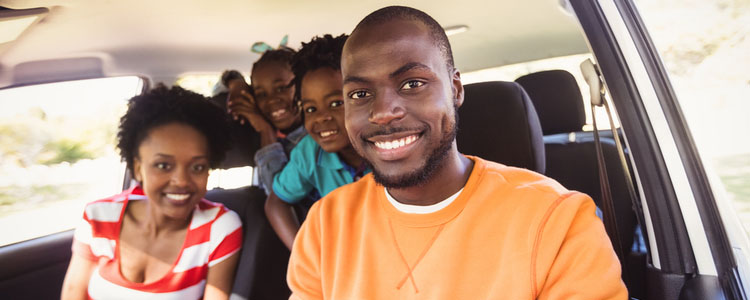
(324,159)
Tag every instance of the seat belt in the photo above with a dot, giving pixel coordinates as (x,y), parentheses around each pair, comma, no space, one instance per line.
(591,75)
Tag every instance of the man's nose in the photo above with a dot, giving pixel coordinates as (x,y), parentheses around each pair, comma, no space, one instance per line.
(386,107)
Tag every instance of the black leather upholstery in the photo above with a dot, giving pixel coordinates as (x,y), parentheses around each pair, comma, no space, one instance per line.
(497,122)
(574,165)
(557,100)
(261,271)
(571,153)
(245,140)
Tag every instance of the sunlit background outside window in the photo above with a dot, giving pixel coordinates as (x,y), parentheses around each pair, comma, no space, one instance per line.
(705,47)
(57,152)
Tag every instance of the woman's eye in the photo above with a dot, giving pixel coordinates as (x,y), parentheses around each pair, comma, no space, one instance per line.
(310,109)
(412,84)
(199,167)
(337,103)
(162,166)
(359,94)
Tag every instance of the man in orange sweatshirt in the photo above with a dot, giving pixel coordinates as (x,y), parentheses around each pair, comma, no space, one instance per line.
(431,223)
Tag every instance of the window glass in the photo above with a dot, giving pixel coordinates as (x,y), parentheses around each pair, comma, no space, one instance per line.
(208,85)
(204,84)
(57,152)
(704,46)
(569,63)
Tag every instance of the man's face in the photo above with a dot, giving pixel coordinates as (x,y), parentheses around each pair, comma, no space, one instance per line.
(400,101)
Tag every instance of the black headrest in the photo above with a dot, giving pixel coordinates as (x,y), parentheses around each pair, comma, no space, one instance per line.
(497,122)
(557,99)
(245,140)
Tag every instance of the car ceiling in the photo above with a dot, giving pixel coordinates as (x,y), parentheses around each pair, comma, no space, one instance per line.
(164,39)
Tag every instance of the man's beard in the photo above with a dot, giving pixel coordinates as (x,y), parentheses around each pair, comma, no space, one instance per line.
(423,174)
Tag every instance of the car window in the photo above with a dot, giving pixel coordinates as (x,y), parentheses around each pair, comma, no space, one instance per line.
(206,84)
(57,152)
(708,65)
(570,63)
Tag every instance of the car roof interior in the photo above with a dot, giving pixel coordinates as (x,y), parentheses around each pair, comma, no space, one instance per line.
(165,39)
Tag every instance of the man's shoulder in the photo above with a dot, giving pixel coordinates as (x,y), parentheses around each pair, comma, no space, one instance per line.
(350,196)
(517,179)
(519,187)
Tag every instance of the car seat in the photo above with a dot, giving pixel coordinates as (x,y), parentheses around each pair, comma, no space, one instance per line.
(261,270)
(497,122)
(571,153)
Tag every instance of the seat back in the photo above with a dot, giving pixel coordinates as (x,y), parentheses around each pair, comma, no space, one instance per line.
(557,100)
(245,140)
(261,270)
(571,153)
(497,122)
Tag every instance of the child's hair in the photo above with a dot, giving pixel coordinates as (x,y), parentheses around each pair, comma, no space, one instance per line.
(161,106)
(283,55)
(320,52)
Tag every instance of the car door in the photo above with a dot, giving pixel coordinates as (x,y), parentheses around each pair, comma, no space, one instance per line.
(697,249)
(58,154)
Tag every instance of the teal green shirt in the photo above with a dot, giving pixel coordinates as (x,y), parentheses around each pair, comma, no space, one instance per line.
(311,169)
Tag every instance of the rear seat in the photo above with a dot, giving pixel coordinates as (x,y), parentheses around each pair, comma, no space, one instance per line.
(497,122)
(261,270)
(571,153)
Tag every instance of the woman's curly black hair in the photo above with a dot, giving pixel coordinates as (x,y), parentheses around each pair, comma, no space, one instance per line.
(320,52)
(162,105)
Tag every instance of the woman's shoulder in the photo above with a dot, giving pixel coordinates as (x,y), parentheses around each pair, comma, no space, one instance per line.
(110,208)
(215,214)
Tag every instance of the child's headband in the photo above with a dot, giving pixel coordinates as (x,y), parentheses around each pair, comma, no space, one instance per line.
(262,47)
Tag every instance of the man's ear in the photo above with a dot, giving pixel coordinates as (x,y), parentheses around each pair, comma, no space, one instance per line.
(457,87)
(137,169)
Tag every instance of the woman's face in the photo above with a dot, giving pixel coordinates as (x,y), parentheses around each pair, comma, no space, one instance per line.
(172,166)
(274,93)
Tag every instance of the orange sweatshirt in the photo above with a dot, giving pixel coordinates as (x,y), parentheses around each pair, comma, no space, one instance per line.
(510,234)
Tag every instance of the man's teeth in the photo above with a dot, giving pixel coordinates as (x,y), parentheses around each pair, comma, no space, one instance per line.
(178,197)
(327,133)
(278,113)
(395,144)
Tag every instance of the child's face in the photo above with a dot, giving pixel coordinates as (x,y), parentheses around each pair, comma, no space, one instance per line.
(323,107)
(274,93)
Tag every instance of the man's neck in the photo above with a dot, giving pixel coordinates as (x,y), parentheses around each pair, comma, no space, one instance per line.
(446,181)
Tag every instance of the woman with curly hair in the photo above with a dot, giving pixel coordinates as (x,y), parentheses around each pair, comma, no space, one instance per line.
(160,239)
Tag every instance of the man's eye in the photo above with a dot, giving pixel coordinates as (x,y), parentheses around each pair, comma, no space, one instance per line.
(310,109)
(162,166)
(359,94)
(337,103)
(412,84)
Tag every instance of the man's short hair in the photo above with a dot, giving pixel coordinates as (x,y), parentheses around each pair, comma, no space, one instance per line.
(437,33)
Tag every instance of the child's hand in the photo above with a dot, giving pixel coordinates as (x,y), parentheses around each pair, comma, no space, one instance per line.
(241,105)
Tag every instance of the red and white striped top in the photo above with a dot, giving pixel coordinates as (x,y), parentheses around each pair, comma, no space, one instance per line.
(214,234)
